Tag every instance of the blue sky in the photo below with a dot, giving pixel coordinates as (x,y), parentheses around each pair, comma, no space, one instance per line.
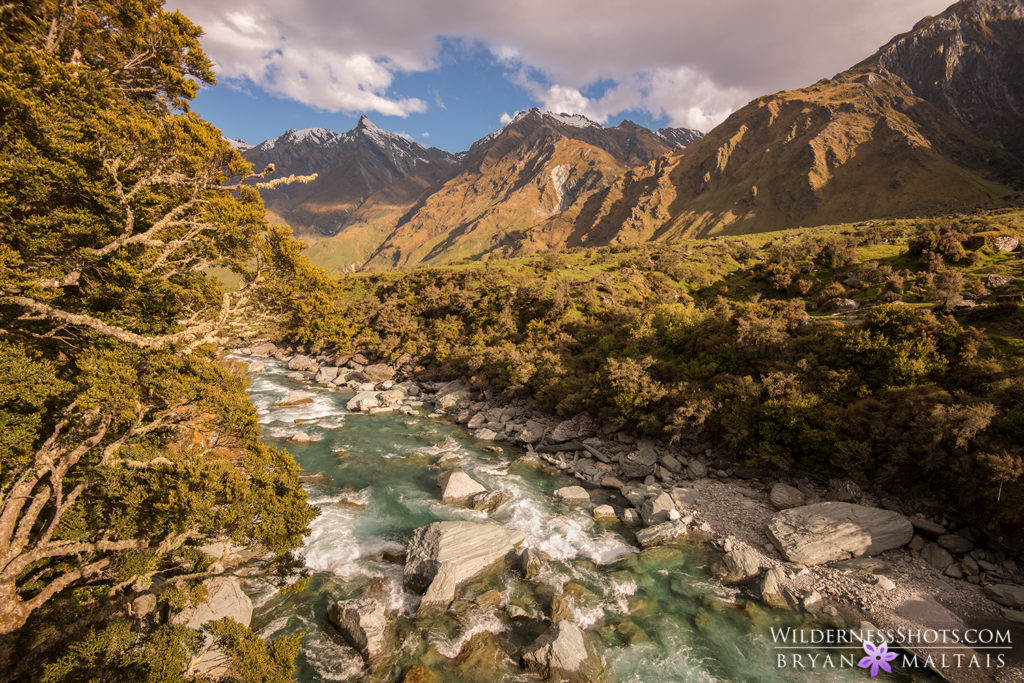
(445,72)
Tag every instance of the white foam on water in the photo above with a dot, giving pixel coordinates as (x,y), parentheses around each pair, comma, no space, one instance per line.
(564,537)
(332,545)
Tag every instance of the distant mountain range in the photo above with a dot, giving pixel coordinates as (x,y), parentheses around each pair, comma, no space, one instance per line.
(934,121)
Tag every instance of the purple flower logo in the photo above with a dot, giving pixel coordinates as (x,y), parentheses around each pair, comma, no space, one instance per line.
(877,658)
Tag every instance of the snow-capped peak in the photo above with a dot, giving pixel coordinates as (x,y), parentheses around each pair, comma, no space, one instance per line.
(240,145)
(310,134)
(365,124)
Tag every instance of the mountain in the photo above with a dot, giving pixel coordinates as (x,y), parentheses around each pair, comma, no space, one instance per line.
(520,189)
(932,122)
(365,171)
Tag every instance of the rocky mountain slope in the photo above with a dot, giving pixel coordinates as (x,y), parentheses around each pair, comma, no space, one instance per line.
(932,122)
(384,199)
(520,189)
(364,171)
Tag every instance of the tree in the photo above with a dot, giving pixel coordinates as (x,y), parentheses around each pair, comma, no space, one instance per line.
(129,442)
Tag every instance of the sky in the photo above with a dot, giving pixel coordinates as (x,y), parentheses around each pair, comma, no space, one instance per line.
(447,72)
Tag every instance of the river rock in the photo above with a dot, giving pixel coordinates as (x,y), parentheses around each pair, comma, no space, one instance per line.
(658,509)
(773,589)
(363,402)
(532,432)
(564,653)
(740,563)
(441,590)
(997,281)
(579,427)
(378,373)
(936,556)
(1006,594)
(477,421)
(326,374)
(670,463)
(531,564)
(812,534)
(685,497)
(391,397)
(927,526)
(696,469)
(302,363)
(784,496)
(263,350)
(572,495)
(605,513)
(470,548)
(294,398)
(639,463)
(661,534)
(489,501)
(457,487)
(955,543)
(630,517)
(364,624)
(449,395)
(257,367)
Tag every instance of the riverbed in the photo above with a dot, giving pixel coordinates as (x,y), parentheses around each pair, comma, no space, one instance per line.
(659,615)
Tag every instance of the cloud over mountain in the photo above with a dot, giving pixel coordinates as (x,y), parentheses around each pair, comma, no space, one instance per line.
(693,62)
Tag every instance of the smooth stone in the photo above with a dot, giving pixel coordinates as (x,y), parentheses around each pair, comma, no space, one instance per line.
(363,623)
(564,653)
(457,487)
(1006,594)
(579,427)
(740,563)
(572,495)
(302,363)
(926,526)
(784,497)
(294,398)
(657,510)
(605,513)
(661,534)
(936,556)
(696,469)
(363,401)
(470,547)
(955,543)
(823,532)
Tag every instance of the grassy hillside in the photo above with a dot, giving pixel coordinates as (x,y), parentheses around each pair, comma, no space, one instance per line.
(887,352)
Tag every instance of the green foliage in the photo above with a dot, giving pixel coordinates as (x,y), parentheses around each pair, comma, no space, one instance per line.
(125,441)
(252,659)
(736,347)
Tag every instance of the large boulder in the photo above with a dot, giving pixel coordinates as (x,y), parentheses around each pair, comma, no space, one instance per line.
(639,463)
(812,534)
(364,624)
(457,487)
(302,363)
(740,563)
(532,432)
(263,350)
(363,401)
(378,373)
(294,398)
(662,534)
(564,653)
(326,374)
(469,547)
(449,396)
(572,495)
(658,509)
(784,496)
(579,427)
(1006,594)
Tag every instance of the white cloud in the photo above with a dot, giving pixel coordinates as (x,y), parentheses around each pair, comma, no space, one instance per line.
(693,61)
(505,118)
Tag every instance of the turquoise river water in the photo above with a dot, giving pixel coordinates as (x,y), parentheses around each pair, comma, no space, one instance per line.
(659,615)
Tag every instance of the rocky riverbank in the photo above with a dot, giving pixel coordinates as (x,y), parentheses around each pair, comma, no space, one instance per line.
(826,549)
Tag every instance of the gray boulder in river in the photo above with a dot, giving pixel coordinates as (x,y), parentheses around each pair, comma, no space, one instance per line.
(468,547)
(364,624)
(812,534)
(564,653)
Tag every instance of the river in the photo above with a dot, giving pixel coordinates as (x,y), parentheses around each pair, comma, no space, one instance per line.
(659,615)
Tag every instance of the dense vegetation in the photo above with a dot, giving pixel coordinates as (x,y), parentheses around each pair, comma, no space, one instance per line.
(890,353)
(125,444)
